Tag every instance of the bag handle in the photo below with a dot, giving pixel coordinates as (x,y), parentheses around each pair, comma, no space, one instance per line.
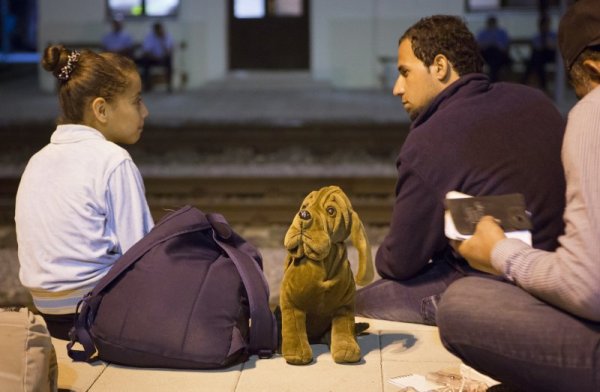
(263,329)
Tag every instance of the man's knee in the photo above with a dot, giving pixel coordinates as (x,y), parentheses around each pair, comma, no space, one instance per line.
(461,301)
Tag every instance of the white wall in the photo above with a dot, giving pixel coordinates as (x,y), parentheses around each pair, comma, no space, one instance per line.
(66,20)
(348,37)
(203,26)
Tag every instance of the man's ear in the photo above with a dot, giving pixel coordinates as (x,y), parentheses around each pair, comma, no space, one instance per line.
(100,109)
(441,68)
(593,68)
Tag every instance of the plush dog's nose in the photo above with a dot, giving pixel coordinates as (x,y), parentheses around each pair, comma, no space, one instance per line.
(304,215)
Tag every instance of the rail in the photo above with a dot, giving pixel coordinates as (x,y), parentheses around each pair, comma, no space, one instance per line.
(245,200)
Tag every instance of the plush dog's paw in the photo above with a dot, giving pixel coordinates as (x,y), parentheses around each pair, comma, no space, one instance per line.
(345,350)
(303,357)
(298,360)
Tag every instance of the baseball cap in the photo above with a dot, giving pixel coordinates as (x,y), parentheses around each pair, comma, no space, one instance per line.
(579,28)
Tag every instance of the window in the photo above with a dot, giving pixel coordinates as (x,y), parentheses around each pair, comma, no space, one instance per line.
(483,5)
(495,5)
(287,7)
(134,8)
(244,9)
(256,9)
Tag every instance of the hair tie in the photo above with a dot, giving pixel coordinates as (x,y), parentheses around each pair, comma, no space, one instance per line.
(65,72)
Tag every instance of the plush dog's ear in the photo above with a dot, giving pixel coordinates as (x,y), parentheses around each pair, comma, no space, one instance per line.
(365,273)
(345,211)
(343,219)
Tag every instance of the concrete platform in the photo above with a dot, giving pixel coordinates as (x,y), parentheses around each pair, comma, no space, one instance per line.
(289,98)
(279,97)
(390,350)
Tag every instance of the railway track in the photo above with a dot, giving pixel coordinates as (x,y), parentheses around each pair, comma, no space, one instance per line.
(246,200)
(320,138)
(258,199)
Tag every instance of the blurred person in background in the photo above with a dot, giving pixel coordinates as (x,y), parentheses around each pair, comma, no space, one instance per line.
(157,50)
(493,43)
(118,40)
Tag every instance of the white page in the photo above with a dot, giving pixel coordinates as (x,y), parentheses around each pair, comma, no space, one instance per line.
(416,381)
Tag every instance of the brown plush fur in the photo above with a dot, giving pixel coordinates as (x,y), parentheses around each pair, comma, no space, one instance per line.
(317,290)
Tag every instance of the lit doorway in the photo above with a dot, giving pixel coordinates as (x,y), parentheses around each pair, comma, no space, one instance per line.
(269,34)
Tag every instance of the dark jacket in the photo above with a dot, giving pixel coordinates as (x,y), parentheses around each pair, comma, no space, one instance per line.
(480,139)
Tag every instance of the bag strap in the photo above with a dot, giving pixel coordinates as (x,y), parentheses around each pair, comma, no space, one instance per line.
(263,329)
(190,220)
(86,308)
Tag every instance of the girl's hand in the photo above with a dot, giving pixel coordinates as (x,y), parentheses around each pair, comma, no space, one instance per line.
(477,250)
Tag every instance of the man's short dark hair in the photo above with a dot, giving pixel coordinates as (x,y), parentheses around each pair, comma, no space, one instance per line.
(447,35)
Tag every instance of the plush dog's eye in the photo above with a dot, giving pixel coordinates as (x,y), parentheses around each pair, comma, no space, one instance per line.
(330,211)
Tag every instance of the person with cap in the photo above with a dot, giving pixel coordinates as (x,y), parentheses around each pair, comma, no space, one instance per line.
(539,328)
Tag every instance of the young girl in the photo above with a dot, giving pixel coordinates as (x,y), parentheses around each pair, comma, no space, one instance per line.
(80,203)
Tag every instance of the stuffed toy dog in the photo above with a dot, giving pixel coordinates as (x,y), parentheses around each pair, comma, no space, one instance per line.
(318,288)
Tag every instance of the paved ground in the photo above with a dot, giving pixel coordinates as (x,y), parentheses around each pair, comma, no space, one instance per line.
(389,350)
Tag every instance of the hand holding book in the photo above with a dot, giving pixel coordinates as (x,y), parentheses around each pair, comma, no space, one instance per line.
(488,219)
(463,212)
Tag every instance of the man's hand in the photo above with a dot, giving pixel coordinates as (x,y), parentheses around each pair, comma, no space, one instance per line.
(478,249)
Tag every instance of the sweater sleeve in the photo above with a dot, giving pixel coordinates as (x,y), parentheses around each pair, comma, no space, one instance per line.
(128,209)
(416,228)
(568,278)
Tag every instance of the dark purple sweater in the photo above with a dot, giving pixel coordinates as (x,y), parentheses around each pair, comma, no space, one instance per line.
(480,139)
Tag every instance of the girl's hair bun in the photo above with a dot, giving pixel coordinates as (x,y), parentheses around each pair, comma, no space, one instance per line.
(55,57)
(60,61)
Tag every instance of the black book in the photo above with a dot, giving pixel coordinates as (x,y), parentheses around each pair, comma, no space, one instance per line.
(465,212)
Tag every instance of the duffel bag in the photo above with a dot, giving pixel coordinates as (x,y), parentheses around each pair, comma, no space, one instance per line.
(191,294)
